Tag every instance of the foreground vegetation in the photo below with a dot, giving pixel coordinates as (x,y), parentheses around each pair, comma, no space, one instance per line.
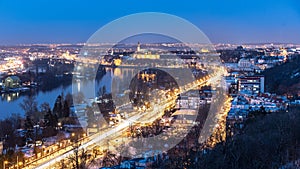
(267,141)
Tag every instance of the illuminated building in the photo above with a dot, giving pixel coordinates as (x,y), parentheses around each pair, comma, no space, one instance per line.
(12,82)
(68,56)
(147,77)
(251,84)
(117,62)
(144,54)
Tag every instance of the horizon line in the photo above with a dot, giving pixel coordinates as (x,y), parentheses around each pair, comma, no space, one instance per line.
(83,43)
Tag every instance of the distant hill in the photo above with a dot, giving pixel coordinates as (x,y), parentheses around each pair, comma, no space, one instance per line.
(285,78)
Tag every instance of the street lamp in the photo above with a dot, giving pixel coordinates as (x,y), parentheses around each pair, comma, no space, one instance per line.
(20,164)
(59,125)
(4,163)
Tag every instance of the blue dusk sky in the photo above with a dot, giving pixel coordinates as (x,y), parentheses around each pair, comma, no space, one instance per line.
(72,21)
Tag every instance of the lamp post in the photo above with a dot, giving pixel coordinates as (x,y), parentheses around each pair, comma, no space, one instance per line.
(19,163)
(4,163)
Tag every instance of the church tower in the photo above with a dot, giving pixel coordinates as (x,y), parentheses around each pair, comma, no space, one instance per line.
(138,49)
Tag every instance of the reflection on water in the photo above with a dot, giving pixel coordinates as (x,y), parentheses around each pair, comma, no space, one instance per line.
(10,102)
(10,96)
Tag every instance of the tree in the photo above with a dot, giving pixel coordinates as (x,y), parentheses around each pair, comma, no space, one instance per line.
(50,119)
(69,99)
(110,159)
(16,120)
(45,107)
(50,124)
(7,132)
(28,126)
(66,109)
(81,159)
(29,105)
(58,107)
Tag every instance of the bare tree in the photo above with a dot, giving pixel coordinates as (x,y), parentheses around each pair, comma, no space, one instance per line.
(30,107)
(81,158)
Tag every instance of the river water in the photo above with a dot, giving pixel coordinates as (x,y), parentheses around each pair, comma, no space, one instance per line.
(10,103)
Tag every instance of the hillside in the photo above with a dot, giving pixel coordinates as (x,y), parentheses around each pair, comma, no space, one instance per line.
(268,141)
(285,78)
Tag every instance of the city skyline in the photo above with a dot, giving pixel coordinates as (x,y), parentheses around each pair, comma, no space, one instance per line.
(34,22)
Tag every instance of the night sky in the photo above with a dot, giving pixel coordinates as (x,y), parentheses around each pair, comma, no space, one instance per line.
(72,21)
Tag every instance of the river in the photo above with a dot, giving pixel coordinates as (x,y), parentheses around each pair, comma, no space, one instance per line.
(10,103)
